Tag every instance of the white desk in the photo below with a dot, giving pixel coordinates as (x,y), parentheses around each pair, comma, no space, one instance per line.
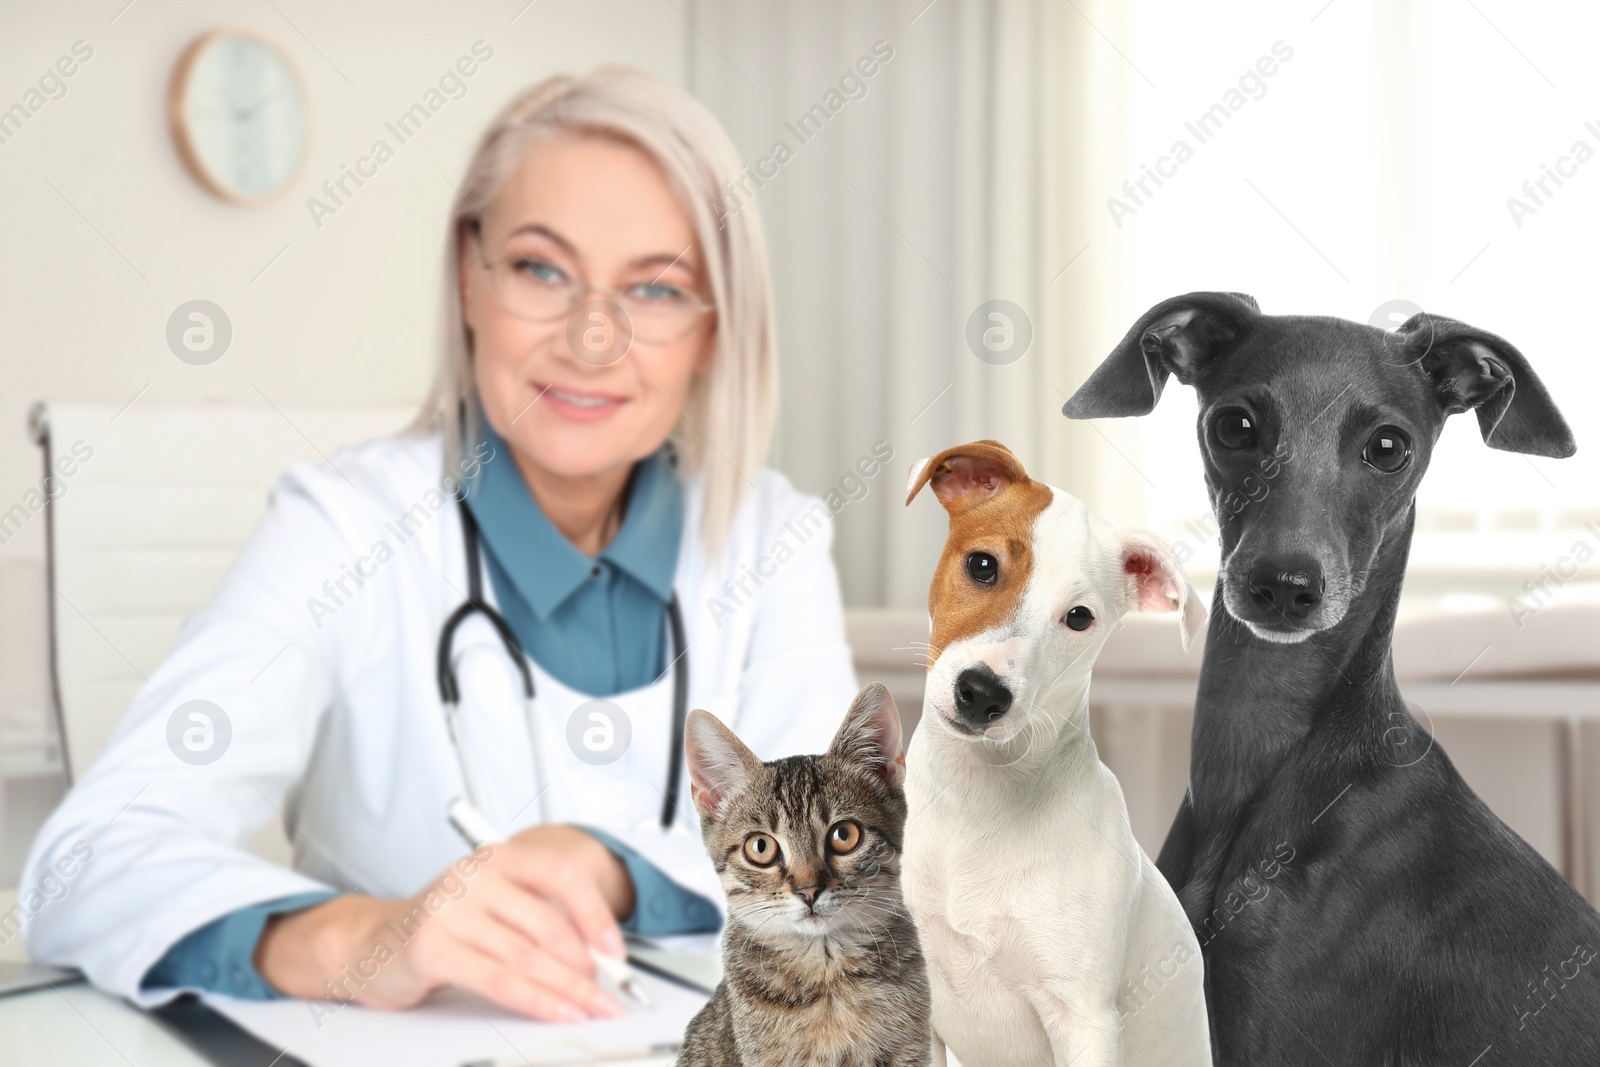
(77,1024)
(80,1025)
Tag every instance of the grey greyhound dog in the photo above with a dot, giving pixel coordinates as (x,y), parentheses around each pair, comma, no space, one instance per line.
(1355,901)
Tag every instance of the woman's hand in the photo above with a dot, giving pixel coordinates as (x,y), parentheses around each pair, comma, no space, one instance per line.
(512,922)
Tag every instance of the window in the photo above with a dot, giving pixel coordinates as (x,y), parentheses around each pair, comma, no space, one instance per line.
(1384,156)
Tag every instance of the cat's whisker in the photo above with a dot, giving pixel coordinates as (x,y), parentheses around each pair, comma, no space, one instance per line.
(892,939)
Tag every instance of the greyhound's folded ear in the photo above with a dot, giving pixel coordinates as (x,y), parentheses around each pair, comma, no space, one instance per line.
(1158,583)
(1472,368)
(966,475)
(1178,336)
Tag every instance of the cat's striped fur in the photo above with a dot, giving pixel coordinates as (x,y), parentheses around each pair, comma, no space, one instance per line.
(836,981)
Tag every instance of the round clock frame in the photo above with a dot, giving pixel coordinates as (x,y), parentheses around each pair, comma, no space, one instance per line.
(183,136)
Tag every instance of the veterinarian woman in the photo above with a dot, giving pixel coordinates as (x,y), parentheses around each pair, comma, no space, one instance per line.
(615,490)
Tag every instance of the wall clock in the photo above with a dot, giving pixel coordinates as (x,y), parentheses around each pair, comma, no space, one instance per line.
(238,113)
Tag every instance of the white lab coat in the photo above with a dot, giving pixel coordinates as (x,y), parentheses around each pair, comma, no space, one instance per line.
(338,728)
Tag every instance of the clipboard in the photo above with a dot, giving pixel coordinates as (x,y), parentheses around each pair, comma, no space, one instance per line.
(694,967)
(217,1038)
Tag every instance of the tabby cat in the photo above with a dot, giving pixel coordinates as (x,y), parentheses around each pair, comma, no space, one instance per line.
(821,963)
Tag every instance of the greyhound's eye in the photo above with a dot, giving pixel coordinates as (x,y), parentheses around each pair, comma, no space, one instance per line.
(1234,429)
(1079,618)
(761,849)
(1388,450)
(983,567)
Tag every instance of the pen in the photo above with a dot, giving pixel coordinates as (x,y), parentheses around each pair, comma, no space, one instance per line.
(477,832)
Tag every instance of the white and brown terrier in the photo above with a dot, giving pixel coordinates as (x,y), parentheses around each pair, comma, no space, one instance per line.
(1050,936)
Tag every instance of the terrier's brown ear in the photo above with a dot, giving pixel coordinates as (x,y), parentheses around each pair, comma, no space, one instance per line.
(966,475)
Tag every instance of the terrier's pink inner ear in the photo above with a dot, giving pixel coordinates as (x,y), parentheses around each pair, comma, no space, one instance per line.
(961,477)
(1157,590)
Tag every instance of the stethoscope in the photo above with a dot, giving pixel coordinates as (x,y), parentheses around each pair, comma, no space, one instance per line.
(450,687)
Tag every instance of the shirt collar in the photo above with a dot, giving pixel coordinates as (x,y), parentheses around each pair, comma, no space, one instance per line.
(544,566)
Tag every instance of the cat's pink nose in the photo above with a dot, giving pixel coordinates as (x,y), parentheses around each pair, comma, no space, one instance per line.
(808,893)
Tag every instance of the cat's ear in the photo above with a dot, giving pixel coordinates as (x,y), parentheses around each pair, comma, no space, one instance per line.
(870,734)
(720,766)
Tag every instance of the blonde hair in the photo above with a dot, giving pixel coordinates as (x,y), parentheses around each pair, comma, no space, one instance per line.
(730,408)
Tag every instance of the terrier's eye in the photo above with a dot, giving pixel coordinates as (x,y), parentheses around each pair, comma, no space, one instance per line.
(983,567)
(1079,618)
(844,837)
(1234,429)
(1388,450)
(761,850)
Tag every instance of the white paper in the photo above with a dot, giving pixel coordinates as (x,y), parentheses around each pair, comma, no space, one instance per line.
(450,1029)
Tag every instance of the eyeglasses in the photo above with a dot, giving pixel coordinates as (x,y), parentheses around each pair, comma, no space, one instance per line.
(533,287)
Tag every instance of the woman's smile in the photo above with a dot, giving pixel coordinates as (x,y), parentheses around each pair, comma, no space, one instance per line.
(578,405)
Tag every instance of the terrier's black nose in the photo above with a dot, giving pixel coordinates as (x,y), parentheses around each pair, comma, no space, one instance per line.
(1291,588)
(981,697)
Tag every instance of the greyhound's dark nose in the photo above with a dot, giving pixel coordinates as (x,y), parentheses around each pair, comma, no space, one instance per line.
(1290,587)
(981,697)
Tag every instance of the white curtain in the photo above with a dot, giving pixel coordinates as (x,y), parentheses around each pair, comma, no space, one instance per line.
(962,175)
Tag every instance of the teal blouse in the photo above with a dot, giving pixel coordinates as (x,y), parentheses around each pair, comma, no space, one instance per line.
(595,624)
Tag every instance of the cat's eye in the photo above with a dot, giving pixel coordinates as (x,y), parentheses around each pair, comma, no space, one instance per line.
(983,567)
(761,849)
(1078,618)
(1234,429)
(844,837)
(1388,450)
